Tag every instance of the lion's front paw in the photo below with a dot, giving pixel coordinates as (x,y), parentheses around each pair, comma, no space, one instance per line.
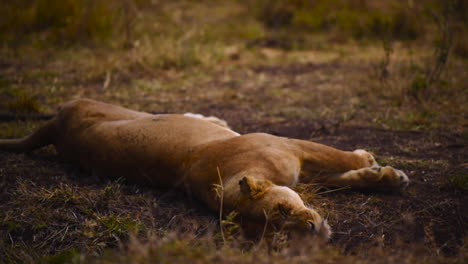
(393,178)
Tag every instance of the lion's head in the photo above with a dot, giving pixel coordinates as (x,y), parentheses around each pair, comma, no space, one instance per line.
(280,206)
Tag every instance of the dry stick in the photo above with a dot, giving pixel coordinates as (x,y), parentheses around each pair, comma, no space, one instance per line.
(264,231)
(11,239)
(221,197)
(107,80)
(66,231)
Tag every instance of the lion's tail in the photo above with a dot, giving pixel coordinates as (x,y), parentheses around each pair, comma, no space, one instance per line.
(41,137)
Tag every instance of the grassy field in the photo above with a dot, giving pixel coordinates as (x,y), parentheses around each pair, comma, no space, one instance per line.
(389,77)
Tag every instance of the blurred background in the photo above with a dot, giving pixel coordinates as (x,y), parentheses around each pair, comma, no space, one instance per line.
(140,44)
(285,24)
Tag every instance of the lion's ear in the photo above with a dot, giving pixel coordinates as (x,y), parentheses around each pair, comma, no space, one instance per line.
(246,185)
(283,210)
(253,188)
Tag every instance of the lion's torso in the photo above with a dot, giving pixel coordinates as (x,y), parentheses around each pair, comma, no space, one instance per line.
(168,150)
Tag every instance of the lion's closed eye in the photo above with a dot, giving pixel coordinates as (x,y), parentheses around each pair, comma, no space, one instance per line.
(311,225)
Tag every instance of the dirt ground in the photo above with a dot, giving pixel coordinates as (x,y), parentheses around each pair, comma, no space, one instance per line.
(430,215)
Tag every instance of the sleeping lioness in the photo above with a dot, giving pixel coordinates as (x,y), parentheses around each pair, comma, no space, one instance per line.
(251,174)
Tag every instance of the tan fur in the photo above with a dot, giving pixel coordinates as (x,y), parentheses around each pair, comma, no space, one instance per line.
(202,156)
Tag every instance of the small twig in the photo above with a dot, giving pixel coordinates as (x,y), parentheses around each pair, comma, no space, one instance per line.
(11,239)
(221,198)
(66,231)
(107,80)
(334,190)
(264,231)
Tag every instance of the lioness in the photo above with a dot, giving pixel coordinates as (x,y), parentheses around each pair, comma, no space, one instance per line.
(251,174)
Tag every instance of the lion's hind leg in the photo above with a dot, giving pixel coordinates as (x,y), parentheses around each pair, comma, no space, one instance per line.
(375,177)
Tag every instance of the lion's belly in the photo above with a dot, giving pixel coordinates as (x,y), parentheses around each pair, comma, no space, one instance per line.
(149,150)
(276,165)
(225,162)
